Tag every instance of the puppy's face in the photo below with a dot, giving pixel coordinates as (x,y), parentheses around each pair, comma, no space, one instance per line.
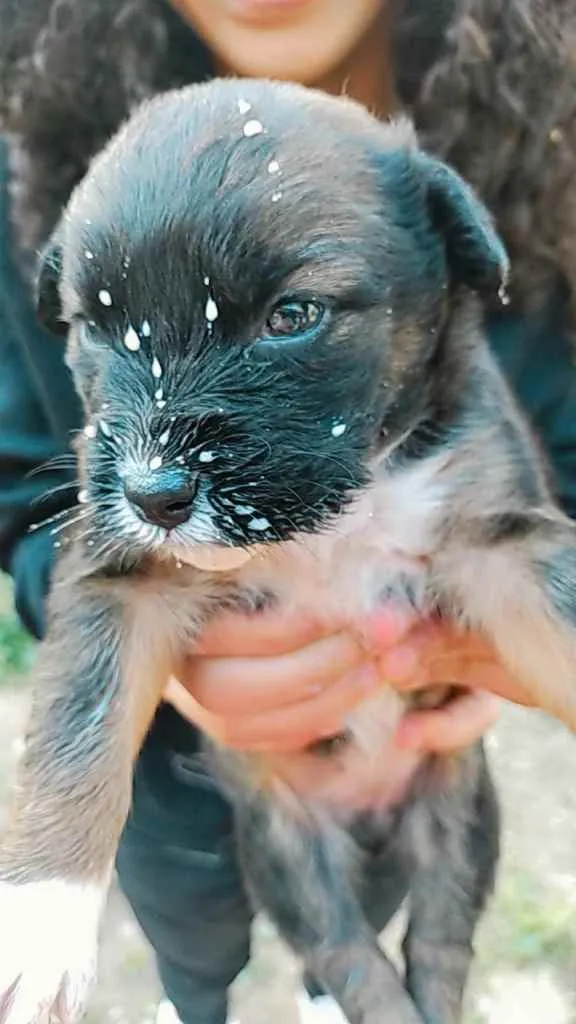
(255,280)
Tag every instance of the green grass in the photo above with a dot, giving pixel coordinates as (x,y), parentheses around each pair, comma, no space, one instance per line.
(16,647)
(529,925)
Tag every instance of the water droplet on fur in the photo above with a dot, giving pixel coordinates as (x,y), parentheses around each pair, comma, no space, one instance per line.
(105,297)
(252,128)
(155,462)
(244,106)
(164,438)
(211,312)
(159,395)
(88,254)
(259,524)
(131,340)
(90,430)
(206,457)
(276,197)
(146,329)
(160,404)
(156,368)
(338,429)
(82,497)
(180,460)
(273,167)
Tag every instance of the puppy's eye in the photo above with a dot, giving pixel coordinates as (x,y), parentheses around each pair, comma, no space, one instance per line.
(293,320)
(88,332)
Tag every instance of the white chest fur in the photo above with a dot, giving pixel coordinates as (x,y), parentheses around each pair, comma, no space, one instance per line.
(375,553)
(382,541)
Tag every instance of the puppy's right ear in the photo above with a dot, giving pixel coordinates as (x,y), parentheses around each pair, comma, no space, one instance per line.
(48,301)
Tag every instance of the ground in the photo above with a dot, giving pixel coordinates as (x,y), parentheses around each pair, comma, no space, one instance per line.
(525,971)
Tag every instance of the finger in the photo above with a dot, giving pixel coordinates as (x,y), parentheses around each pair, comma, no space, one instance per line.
(407,664)
(264,635)
(178,696)
(452,727)
(388,627)
(295,727)
(230,686)
(474,665)
(439,652)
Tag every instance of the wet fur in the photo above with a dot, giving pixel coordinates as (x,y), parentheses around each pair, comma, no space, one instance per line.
(434,494)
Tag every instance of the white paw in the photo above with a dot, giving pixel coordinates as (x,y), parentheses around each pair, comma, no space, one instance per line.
(322,1010)
(48,947)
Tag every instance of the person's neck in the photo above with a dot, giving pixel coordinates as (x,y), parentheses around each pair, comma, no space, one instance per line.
(367,73)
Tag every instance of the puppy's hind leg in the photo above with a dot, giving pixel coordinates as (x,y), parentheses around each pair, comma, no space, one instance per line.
(298,870)
(72,797)
(453,838)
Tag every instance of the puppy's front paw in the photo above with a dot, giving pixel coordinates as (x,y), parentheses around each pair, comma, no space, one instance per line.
(48,946)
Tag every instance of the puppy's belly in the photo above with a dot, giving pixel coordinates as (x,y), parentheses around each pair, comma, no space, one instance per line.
(375,554)
(366,772)
(344,576)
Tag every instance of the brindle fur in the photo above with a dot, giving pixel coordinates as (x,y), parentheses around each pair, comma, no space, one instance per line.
(485,545)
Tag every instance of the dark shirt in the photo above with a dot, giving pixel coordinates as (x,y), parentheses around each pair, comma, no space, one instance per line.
(39,412)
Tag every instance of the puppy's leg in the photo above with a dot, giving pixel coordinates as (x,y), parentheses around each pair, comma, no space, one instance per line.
(513,577)
(453,836)
(70,805)
(299,872)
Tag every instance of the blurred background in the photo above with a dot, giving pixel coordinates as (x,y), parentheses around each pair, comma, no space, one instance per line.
(525,971)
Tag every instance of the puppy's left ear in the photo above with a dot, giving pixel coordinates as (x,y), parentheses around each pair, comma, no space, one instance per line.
(475,254)
(48,301)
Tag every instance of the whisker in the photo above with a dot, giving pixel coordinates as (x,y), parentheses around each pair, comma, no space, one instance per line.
(71,522)
(52,519)
(68,486)
(58,462)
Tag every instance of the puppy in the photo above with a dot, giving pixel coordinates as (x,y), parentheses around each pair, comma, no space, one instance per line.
(272,308)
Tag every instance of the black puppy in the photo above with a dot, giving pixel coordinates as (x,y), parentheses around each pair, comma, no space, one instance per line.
(289,398)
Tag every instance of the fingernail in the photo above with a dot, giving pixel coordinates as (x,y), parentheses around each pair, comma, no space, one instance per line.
(387,627)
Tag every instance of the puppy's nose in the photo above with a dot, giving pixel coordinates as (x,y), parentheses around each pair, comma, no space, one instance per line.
(167,503)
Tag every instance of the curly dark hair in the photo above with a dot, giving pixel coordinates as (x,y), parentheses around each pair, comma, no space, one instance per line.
(490,84)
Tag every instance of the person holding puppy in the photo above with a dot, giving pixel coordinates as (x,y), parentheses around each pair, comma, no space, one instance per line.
(467,72)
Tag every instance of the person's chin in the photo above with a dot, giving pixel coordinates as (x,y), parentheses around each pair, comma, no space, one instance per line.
(279,56)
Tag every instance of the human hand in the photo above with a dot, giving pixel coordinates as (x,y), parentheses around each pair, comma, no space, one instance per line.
(415,655)
(276,682)
(319,677)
